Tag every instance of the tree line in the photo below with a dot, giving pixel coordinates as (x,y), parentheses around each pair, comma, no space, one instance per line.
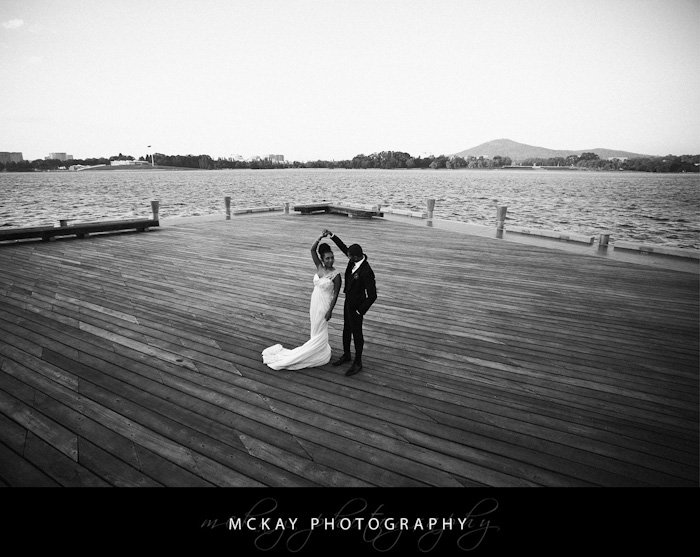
(383,160)
(591,161)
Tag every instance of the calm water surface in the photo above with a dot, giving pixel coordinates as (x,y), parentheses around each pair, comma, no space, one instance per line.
(640,207)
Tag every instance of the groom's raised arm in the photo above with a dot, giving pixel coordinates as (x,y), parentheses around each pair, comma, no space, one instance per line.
(339,243)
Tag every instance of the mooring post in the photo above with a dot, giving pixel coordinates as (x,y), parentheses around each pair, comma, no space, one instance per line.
(603,242)
(501,220)
(286,207)
(154,208)
(227,202)
(431,207)
(63,223)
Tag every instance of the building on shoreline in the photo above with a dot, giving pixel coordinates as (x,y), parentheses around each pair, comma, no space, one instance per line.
(130,163)
(59,156)
(6,156)
(113,165)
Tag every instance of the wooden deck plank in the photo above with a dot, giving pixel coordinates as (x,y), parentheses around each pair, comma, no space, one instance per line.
(617,423)
(91,404)
(151,413)
(55,435)
(209,426)
(54,358)
(12,434)
(18,471)
(216,393)
(442,396)
(61,410)
(527,366)
(356,403)
(64,469)
(111,468)
(51,357)
(58,466)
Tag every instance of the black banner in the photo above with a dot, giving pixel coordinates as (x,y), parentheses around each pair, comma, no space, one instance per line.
(368,521)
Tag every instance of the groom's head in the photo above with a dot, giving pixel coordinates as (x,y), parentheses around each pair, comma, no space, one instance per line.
(355,253)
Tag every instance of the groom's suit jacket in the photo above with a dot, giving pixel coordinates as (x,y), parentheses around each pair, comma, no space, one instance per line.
(360,288)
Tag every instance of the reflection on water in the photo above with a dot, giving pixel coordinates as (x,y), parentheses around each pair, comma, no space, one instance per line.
(640,207)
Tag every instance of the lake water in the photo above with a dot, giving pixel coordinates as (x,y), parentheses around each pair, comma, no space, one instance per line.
(662,209)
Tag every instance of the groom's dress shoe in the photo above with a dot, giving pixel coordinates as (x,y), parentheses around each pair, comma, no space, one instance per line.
(354,368)
(344,358)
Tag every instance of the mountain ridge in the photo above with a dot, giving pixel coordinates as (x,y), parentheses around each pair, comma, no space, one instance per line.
(521,151)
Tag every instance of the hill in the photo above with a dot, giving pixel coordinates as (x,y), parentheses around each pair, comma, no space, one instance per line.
(520,151)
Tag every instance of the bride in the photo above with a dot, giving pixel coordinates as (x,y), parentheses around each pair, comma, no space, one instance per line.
(316,351)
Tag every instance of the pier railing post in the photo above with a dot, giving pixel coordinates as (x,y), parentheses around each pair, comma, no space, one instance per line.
(431,207)
(154,208)
(227,202)
(500,220)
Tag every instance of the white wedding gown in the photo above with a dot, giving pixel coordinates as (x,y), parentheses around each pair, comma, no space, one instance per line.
(316,351)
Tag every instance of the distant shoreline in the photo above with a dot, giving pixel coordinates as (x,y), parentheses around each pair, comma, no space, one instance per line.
(110,168)
(179,168)
(385,160)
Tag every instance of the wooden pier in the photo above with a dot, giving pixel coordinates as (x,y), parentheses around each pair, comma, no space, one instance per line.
(134,360)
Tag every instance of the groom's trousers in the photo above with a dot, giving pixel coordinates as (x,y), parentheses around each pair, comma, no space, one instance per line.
(352,328)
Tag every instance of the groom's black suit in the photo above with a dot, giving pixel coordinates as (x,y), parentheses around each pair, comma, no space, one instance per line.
(360,293)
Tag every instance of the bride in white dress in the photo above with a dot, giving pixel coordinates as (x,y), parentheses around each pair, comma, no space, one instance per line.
(316,351)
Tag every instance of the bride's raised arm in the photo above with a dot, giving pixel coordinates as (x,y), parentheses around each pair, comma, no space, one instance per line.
(314,251)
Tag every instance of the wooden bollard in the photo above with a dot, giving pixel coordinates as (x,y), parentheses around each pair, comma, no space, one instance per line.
(500,220)
(603,240)
(63,223)
(431,207)
(227,202)
(286,208)
(154,208)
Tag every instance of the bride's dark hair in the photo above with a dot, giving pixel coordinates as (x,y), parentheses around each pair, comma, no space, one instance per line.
(322,249)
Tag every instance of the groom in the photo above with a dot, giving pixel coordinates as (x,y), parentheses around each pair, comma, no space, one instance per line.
(360,293)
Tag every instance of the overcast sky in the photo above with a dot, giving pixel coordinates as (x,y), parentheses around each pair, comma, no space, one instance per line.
(325,79)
